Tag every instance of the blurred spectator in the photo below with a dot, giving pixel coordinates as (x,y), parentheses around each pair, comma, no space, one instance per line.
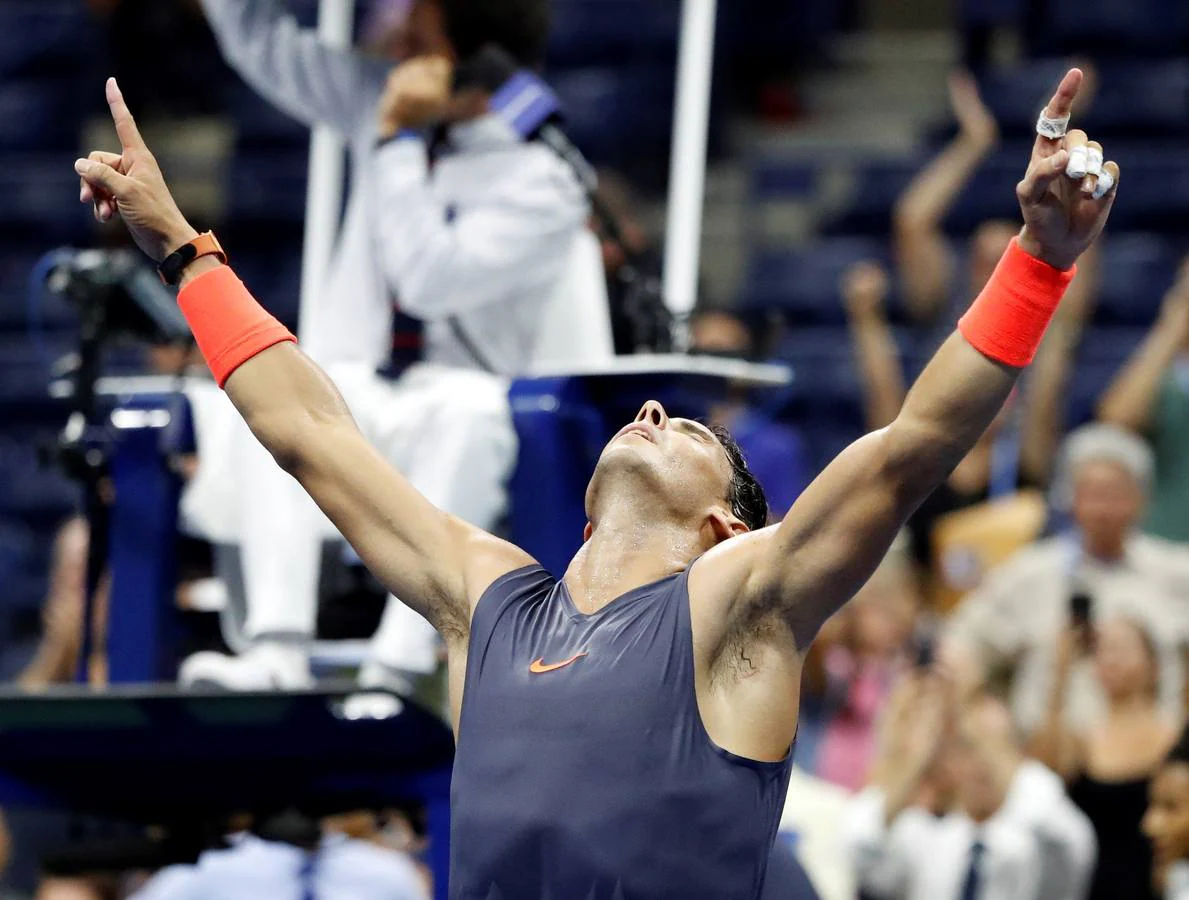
(1009,833)
(1008,627)
(1166,823)
(1151,396)
(775,451)
(347,863)
(1008,458)
(1108,767)
(812,821)
(462,223)
(849,672)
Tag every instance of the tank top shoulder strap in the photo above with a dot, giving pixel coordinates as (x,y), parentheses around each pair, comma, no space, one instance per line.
(527,583)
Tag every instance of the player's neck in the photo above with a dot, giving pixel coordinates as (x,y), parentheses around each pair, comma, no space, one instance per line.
(624,553)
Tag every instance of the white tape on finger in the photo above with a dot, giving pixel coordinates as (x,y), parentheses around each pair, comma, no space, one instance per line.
(1105,183)
(1093,160)
(1050,128)
(1076,167)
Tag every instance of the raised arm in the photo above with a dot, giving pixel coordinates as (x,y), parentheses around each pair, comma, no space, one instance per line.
(864,288)
(1131,399)
(291,68)
(926,268)
(842,525)
(1054,743)
(440,260)
(434,562)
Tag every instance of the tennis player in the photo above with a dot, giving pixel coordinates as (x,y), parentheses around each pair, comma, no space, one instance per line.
(625,732)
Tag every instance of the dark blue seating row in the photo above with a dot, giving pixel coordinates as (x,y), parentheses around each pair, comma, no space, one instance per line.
(1103,27)
(45,37)
(593,32)
(1132,99)
(805,285)
(1156,197)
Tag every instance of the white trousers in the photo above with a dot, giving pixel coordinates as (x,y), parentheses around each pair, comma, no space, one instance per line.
(449,431)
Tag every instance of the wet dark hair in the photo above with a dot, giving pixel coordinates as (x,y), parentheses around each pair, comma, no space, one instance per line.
(744,493)
(521,27)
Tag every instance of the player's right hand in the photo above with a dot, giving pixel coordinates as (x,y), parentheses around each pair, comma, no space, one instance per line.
(130,183)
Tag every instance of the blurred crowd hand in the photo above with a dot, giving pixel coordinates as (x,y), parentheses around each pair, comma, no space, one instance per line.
(917,721)
(130,183)
(976,124)
(1074,643)
(1174,311)
(865,291)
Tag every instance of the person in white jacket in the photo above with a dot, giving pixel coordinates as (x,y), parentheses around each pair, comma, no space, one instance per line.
(340,868)
(1012,834)
(476,242)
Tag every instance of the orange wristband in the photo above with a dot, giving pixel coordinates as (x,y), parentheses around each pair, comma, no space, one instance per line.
(1009,318)
(229,326)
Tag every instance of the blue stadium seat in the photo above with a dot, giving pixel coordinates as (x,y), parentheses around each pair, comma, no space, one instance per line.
(877,186)
(1133,98)
(267,189)
(804,285)
(259,124)
(41,200)
(1111,28)
(990,12)
(779,179)
(25,554)
(1136,271)
(45,36)
(40,114)
(615,114)
(608,32)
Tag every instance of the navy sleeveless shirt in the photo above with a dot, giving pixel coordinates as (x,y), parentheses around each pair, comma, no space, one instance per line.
(583,770)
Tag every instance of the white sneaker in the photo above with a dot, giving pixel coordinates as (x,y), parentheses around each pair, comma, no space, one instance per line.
(267,666)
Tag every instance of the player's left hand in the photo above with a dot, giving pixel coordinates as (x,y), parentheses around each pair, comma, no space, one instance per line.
(417,93)
(1067,192)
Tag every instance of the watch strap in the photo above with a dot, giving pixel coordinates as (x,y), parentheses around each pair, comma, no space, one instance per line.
(206,244)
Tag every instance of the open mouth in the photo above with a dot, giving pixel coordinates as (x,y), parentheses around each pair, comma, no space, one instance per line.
(636,429)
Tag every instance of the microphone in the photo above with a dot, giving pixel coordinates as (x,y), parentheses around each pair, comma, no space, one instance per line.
(526,103)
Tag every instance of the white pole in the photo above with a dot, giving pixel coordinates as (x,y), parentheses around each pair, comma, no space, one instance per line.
(687,165)
(324,194)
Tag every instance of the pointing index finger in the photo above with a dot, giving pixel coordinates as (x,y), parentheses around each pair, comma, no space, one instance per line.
(125,125)
(1062,103)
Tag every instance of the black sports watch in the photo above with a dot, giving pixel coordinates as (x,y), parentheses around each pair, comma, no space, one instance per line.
(206,244)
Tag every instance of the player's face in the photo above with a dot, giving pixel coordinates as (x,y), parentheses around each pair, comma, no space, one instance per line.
(1166,822)
(682,461)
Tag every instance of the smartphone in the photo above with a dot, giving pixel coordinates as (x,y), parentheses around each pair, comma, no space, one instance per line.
(1081,609)
(926,651)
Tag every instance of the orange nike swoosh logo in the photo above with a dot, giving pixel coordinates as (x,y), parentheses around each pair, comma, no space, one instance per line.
(539,666)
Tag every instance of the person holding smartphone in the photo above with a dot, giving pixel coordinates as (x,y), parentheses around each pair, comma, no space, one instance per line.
(1108,767)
